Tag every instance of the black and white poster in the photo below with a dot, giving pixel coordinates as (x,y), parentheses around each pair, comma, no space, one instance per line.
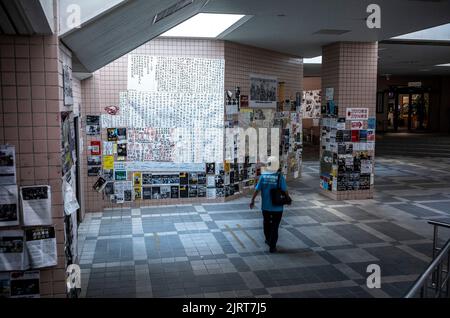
(146,193)
(9,207)
(41,246)
(25,284)
(92,125)
(36,205)
(263,91)
(7,164)
(13,254)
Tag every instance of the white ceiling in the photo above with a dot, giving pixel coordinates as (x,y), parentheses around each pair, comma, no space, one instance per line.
(294,32)
(282,25)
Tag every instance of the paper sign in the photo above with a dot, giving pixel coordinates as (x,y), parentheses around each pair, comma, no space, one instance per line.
(108,162)
(95,148)
(357,113)
(357,125)
(36,205)
(41,246)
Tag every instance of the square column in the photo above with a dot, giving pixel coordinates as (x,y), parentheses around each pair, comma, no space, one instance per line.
(348,123)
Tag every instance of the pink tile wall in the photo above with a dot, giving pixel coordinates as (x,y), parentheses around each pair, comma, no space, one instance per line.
(242,60)
(29,120)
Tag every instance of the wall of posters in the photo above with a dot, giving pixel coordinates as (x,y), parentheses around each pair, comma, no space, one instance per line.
(263,91)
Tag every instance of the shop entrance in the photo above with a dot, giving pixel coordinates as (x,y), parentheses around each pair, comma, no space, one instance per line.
(410,110)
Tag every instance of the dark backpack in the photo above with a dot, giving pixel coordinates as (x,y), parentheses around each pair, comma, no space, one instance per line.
(278,196)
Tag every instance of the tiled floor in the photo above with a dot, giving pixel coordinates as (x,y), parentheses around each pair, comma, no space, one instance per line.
(325,246)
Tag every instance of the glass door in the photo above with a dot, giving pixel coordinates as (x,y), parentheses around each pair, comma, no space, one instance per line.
(401,116)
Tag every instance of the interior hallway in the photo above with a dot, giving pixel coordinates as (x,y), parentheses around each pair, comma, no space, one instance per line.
(325,246)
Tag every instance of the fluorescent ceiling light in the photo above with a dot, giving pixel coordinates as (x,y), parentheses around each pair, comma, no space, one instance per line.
(445,65)
(439,33)
(204,25)
(313,60)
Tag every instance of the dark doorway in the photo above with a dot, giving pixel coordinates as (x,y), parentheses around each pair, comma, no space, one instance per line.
(410,110)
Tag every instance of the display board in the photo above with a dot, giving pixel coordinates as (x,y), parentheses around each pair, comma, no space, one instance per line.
(169,121)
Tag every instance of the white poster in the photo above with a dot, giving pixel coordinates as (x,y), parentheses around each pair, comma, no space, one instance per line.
(9,206)
(25,284)
(70,199)
(41,246)
(263,91)
(357,113)
(36,205)
(13,254)
(142,73)
(7,164)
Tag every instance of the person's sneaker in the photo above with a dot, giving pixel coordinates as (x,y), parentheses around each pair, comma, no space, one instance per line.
(272,249)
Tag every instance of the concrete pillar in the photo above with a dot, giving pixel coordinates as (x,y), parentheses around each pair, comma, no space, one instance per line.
(349,83)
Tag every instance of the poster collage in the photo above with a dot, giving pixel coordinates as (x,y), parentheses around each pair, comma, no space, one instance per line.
(29,241)
(348,144)
(165,140)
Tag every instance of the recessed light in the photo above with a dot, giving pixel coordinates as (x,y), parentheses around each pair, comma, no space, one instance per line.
(204,25)
(313,60)
(444,65)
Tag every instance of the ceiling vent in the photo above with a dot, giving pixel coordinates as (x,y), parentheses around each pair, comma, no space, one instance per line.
(331,32)
(171,10)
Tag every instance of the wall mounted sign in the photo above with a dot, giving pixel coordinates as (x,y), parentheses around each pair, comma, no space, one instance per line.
(357,114)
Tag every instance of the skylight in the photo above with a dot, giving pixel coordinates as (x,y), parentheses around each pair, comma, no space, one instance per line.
(313,60)
(204,25)
(439,33)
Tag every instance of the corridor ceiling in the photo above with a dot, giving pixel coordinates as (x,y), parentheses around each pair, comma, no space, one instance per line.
(298,27)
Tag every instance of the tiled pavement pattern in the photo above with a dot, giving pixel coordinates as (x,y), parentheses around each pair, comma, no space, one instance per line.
(217,250)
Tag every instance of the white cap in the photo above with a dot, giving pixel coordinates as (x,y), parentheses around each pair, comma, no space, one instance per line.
(272,165)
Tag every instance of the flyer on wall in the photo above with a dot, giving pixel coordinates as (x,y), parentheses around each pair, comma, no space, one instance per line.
(36,205)
(41,246)
(7,164)
(263,91)
(13,255)
(9,211)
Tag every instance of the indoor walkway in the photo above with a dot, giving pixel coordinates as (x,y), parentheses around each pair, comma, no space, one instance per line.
(218,250)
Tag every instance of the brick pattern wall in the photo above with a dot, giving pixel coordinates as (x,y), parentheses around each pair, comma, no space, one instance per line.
(30,103)
(351,69)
